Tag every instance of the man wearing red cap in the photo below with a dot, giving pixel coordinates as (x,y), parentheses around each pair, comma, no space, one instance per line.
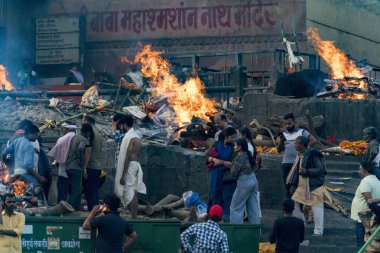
(208,235)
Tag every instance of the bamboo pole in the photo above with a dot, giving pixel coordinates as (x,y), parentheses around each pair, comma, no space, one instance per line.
(370,239)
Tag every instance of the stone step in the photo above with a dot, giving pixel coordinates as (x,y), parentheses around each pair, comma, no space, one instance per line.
(342,167)
(351,159)
(333,232)
(342,173)
(328,249)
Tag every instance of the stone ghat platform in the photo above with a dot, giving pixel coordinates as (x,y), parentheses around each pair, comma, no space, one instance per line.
(173,170)
(344,118)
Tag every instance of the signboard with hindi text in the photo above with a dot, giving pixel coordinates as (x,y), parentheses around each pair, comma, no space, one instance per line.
(56,234)
(57,41)
(155,19)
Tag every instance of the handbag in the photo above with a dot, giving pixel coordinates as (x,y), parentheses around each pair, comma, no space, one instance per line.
(229,177)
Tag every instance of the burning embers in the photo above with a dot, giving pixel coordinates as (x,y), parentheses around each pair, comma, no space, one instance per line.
(347,80)
(5,84)
(19,187)
(25,193)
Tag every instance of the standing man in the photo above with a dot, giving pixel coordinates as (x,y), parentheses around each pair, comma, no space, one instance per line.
(118,134)
(76,163)
(208,235)
(288,231)
(367,192)
(307,177)
(94,167)
(129,175)
(372,152)
(285,142)
(111,227)
(60,153)
(11,226)
(24,153)
(221,122)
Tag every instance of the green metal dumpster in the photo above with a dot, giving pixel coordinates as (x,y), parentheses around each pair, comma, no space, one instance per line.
(242,238)
(156,236)
(65,235)
(56,234)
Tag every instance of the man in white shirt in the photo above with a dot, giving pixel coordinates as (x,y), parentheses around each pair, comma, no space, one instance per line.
(221,122)
(367,192)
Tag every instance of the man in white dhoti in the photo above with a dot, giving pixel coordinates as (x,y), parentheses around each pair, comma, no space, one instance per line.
(129,175)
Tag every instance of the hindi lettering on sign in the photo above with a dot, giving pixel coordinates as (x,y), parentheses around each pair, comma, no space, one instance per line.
(105,21)
(126,21)
(253,14)
(208,17)
(172,21)
(224,12)
(190,17)
(112,21)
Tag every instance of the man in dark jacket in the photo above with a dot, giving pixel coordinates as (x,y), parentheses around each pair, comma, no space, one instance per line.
(307,177)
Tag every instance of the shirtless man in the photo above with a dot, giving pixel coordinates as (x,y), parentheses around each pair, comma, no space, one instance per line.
(129,173)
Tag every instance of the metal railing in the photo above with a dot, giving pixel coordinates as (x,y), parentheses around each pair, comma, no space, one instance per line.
(370,239)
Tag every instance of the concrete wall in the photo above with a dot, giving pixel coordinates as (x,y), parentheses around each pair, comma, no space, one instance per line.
(344,118)
(110,34)
(167,170)
(352,24)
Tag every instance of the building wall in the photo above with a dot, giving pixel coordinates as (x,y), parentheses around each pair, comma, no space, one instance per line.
(120,27)
(352,24)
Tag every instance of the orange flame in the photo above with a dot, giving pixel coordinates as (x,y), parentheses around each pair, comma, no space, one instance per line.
(19,187)
(186,99)
(340,65)
(3,79)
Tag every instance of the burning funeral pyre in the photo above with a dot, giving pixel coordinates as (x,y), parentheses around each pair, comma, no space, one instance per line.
(347,80)
(27,195)
(5,84)
(172,113)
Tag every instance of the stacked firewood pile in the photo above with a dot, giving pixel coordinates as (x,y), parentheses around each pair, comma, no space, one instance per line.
(351,87)
(153,117)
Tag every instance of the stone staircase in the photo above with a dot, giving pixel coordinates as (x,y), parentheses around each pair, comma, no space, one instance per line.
(340,232)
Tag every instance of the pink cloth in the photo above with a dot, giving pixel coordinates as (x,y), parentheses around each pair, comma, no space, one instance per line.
(60,151)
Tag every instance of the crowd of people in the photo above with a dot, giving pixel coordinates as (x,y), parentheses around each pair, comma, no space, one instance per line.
(233,196)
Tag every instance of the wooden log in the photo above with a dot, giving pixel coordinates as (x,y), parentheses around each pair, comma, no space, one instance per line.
(60,209)
(181,214)
(170,198)
(180,202)
(147,209)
